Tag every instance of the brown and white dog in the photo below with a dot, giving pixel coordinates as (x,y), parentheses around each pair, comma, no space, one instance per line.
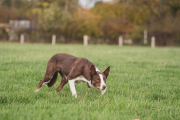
(74,70)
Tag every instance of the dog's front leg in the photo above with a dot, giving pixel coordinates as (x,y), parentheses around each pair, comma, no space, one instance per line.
(72,87)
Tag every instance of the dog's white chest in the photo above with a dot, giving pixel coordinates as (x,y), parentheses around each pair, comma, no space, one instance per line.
(80,79)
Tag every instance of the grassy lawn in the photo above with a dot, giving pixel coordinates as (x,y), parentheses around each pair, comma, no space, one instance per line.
(144,83)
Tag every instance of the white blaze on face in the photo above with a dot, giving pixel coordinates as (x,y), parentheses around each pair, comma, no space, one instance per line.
(102,81)
(102,84)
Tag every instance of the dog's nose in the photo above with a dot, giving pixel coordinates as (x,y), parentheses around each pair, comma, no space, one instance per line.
(103,87)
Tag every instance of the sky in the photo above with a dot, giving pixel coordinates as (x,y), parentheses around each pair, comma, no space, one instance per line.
(90,3)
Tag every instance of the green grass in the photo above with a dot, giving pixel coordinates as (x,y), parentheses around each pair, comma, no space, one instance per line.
(144,83)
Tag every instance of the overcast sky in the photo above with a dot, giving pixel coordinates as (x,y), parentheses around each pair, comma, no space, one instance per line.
(89,3)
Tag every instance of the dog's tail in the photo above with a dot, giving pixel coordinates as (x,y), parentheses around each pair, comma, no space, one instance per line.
(53,80)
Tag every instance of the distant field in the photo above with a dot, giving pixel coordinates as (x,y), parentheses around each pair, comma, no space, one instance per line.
(144,84)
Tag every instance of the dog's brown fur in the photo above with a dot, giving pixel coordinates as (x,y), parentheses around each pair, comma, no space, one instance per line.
(69,68)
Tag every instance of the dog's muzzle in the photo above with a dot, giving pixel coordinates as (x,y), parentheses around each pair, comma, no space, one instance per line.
(103,91)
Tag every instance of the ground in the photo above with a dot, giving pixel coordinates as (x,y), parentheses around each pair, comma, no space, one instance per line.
(143,83)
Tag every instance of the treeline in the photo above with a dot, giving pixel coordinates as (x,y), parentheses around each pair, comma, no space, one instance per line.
(105,22)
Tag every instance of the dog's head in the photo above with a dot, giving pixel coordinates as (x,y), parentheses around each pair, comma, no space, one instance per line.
(98,79)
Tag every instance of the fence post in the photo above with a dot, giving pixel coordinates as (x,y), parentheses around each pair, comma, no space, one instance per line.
(53,39)
(22,39)
(85,38)
(152,42)
(145,36)
(120,41)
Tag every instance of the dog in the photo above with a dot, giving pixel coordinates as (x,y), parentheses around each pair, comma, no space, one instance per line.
(74,70)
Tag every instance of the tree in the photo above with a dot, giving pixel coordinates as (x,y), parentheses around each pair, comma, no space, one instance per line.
(114,21)
(49,19)
(83,22)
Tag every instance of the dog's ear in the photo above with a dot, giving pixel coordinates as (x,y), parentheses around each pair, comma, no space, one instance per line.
(106,72)
(92,70)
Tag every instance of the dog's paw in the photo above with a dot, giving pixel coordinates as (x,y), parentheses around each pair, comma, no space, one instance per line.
(37,90)
(45,83)
(74,95)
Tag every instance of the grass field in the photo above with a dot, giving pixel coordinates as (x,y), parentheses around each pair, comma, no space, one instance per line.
(144,84)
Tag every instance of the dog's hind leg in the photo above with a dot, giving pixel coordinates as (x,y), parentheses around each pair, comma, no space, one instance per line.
(50,72)
(40,83)
(45,79)
(63,82)
(52,81)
